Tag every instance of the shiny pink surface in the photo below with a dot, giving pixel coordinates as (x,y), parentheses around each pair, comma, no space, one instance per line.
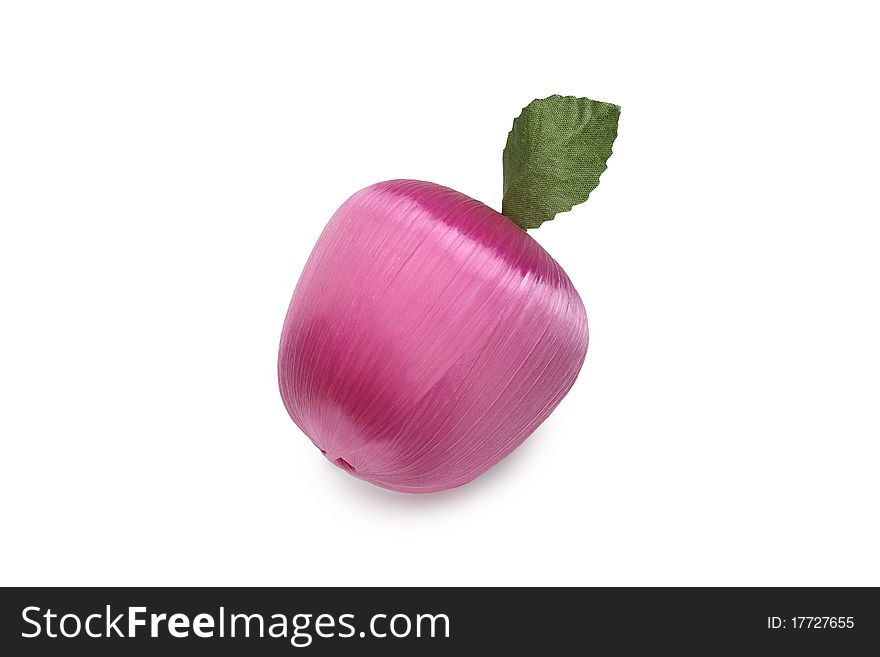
(427,337)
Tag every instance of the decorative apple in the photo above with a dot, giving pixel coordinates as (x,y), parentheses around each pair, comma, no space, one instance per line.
(429,335)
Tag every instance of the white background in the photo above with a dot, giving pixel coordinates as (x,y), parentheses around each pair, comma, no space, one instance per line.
(166,167)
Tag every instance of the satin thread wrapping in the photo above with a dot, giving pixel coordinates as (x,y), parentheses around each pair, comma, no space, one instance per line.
(427,338)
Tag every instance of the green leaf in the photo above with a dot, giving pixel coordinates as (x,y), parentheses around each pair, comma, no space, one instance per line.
(555,153)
